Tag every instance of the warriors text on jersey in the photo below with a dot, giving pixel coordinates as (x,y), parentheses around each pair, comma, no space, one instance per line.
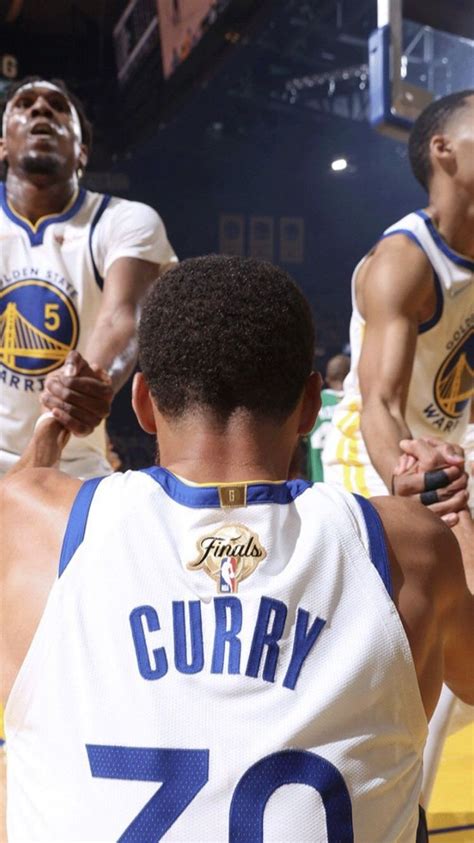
(441,385)
(217,663)
(51,278)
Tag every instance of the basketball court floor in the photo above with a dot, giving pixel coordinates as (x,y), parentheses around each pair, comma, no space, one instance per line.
(451,811)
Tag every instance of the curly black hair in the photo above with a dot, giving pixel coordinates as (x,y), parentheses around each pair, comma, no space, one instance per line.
(431,121)
(222,333)
(86,125)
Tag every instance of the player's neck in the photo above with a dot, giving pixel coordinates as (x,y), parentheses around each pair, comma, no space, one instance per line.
(237,451)
(37,197)
(453,214)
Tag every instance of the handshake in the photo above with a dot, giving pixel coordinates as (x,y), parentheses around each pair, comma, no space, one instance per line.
(78,395)
(433,472)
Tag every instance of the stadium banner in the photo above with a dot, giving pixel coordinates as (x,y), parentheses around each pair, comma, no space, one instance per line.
(181,26)
(231,234)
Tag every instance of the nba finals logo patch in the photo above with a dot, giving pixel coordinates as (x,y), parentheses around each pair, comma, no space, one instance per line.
(38,327)
(228,555)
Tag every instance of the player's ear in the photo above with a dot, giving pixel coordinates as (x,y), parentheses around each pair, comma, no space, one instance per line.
(142,403)
(3,150)
(83,156)
(442,150)
(311,404)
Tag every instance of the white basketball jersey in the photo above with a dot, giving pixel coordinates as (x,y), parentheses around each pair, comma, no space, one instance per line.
(51,278)
(217,663)
(441,384)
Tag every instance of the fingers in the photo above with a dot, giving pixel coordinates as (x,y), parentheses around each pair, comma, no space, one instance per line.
(72,404)
(79,402)
(101,373)
(431,453)
(74,363)
(451,519)
(415,483)
(405,463)
(455,503)
(450,448)
(72,424)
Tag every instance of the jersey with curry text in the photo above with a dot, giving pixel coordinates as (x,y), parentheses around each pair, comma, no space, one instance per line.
(217,663)
(51,279)
(442,380)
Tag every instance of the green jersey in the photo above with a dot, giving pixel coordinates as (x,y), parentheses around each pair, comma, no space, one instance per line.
(329,398)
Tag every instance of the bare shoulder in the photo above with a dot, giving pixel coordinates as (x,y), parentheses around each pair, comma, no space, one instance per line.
(31,486)
(396,276)
(420,544)
(399,247)
(35,505)
(399,259)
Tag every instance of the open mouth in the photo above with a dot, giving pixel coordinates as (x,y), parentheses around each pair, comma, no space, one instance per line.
(42,129)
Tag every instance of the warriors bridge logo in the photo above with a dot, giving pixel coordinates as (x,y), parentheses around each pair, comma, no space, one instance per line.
(38,327)
(454,381)
(228,555)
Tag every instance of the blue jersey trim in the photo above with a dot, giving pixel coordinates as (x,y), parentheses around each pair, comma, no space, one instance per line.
(103,205)
(204,497)
(377,544)
(430,323)
(442,245)
(36,235)
(76,525)
(407,233)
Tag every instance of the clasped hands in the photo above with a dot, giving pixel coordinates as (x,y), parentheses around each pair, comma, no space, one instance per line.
(78,394)
(433,472)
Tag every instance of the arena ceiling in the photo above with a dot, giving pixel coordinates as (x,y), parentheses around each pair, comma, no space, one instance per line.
(304,55)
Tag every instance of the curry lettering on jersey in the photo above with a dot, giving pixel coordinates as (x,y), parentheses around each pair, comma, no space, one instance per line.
(226,657)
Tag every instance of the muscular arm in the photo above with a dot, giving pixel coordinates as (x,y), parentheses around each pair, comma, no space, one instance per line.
(395,294)
(82,399)
(34,506)
(112,345)
(433,599)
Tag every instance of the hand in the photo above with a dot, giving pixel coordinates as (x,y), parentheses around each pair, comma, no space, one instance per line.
(78,395)
(433,472)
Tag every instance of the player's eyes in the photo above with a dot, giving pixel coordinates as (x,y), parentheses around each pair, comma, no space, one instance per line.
(24,102)
(59,105)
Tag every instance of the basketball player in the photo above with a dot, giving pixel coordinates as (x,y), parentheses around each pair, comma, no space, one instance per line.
(336,370)
(412,323)
(412,338)
(74,266)
(146,703)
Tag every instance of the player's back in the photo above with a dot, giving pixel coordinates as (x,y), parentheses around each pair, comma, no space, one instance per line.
(217,663)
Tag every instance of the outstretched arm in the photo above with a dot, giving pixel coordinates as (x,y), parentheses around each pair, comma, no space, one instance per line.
(111,350)
(432,596)
(459,635)
(34,505)
(396,294)
(395,287)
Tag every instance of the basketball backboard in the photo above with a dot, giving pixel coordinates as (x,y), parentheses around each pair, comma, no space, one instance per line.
(412,61)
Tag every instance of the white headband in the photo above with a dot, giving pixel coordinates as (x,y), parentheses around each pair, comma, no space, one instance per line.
(49,85)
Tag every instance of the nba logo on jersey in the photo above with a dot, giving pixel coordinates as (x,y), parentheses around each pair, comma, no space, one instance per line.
(228,579)
(228,554)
